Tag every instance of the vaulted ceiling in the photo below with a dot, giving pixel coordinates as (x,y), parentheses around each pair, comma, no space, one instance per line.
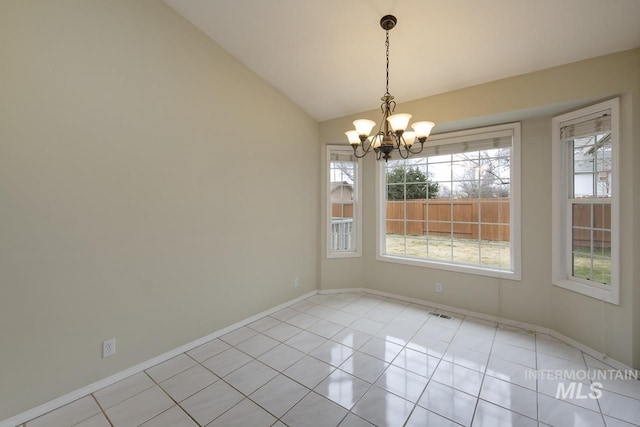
(328,56)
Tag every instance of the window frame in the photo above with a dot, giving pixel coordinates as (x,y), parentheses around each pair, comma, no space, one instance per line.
(468,135)
(562,214)
(357,206)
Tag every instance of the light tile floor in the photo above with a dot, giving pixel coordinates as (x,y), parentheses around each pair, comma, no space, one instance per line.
(356,359)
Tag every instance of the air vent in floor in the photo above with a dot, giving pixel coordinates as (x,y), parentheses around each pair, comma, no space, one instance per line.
(444,316)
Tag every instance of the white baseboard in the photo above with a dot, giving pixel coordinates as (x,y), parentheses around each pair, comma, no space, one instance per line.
(74,395)
(105,382)
(342,291)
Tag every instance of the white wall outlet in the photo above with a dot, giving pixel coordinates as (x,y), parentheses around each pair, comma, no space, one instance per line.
(296,282)
(108,348)
(438,286)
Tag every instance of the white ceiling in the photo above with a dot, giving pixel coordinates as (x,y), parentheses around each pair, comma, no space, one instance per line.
(328,56)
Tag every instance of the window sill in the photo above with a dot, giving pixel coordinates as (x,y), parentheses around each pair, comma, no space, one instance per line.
(607,295)
(459,268)
(338,255)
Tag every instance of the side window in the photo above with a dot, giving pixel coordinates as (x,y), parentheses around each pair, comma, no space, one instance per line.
(344,235)
(586,144)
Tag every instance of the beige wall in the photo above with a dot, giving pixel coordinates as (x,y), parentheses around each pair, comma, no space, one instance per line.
(533,99)
(126,136)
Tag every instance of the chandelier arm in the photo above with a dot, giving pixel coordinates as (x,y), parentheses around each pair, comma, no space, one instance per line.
(418,151)
(403,153)
(402,144)
(366,150)
(355,153)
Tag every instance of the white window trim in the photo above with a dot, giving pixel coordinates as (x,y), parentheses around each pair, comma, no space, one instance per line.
(561,231)
(515,213)
(357,208)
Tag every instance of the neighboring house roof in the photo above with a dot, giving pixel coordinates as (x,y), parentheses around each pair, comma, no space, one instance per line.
(337,184)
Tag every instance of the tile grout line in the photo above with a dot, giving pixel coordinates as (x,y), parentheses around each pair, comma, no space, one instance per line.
(102,410)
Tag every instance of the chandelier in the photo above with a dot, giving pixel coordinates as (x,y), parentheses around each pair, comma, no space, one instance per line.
(392,133)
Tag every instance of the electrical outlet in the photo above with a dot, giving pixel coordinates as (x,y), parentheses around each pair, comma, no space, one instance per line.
(108,348)
(438,286)
(296,282)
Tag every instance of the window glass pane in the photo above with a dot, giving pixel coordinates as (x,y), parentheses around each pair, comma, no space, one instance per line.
(439,210)
(495,233)
(416,246)
(602,243)
(464,170)
(440,171)
(340,210)
(467,155)
(602,270)
(396,192)
(604,168)
(395,172)
(439,249)
(495,255)
(581,240)
(494,212)
(395,227)
(492,188)
(582,215)
(497,152)
(437,218)
(583,185)
(395,209)
(439,229)
(463,211)
(466,251)
(342,234)
(395,243)
(342,198)
(416,190)
(445,190)
(591,242)
(592,165)
(581,266)
(583,155)
(602,216)
(437,159)
(416,228)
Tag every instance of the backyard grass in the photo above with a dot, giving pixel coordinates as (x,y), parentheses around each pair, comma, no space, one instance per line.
(488,253)
(582,267)
(485,252)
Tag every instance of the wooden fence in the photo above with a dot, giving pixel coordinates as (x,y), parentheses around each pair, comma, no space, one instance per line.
(590,215)
(488,218)
(342,210)
(465,218)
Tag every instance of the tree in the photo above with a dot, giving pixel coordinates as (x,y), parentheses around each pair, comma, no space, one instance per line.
(491,181)
(416,182)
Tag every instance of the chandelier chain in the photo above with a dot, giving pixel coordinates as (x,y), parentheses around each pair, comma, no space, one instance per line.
(387,46)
